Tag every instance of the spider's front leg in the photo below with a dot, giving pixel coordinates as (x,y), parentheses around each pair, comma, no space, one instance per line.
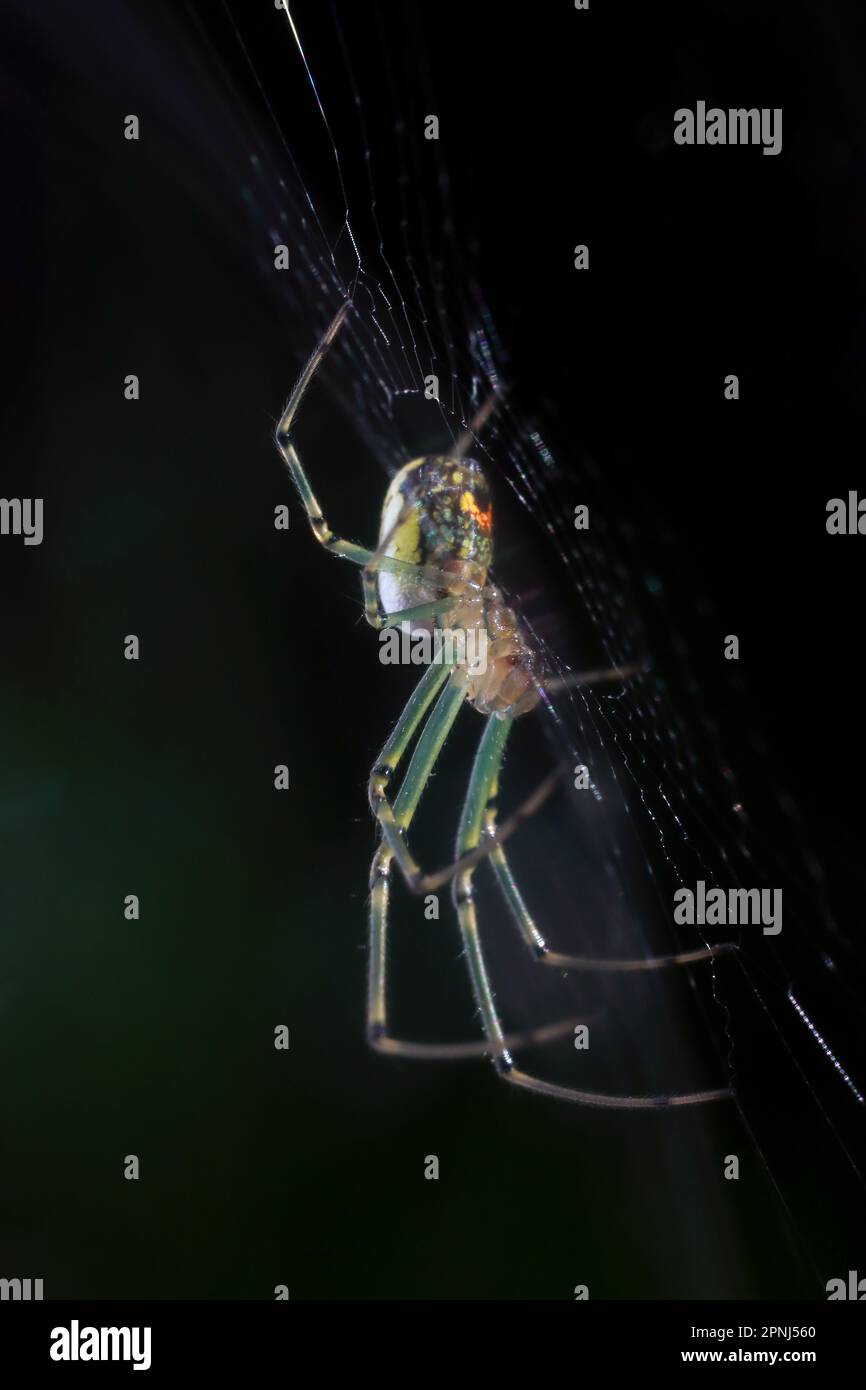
(318,525)
(371,560)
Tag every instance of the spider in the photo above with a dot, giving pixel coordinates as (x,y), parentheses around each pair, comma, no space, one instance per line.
(431,565)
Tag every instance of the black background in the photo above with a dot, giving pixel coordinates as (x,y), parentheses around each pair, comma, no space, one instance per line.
(556,129)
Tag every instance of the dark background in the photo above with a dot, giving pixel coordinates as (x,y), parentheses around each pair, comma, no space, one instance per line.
(154,1038)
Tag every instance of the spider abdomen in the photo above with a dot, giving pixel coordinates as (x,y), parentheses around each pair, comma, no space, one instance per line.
(436,514)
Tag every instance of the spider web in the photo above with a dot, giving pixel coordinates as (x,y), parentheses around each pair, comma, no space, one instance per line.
(335,168)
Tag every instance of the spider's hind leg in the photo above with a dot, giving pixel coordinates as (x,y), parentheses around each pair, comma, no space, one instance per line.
(386,764)
(542,952)
(417,881)
(378,1035)
(398,819)
(520,912)
(482,784)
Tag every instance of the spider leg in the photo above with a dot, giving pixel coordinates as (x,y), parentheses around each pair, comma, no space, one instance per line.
(419,703)
(377,1019)
(420,882)
(608,673)
(607,1102)
(348,550)
(395,819)
(485,773)
(464,1051)
(475,426)
(536,942)
(417,881)
(523,917)
(319,526)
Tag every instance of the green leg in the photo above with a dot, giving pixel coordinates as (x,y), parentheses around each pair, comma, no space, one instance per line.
(395,819)
(348,550)
(320,528)
(419,882)
(403,811)
(537,944)
(422,697)
(484,777)
(500,832)
(483,784)
(419,702)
